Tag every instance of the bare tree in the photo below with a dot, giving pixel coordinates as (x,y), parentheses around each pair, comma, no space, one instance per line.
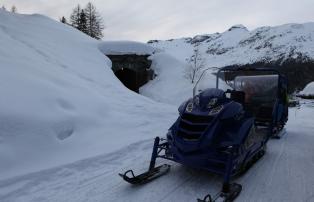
(13,9)
(195,64)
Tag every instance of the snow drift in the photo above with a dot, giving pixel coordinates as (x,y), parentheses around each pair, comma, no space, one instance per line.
(60,101)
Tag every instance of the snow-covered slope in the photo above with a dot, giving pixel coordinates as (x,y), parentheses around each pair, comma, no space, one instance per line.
(289,44)
(60,101)
(308,90)
(237,45)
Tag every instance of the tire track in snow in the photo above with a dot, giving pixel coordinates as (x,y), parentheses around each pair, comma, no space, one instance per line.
(176,188)
(277,160)
(53,178)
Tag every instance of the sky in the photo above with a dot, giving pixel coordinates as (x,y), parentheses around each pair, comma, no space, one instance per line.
(143,20)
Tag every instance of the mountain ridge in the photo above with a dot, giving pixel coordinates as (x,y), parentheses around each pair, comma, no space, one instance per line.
(288,47)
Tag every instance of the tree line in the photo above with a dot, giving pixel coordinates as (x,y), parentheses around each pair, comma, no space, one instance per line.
(87,20)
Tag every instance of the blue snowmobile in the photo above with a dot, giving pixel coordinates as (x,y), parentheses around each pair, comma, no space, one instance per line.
(223,130)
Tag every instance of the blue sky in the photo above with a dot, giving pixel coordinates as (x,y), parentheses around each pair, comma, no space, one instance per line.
(142,20)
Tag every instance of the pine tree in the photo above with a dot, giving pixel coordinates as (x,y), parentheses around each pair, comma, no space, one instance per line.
(95,24)
(82,25)
(75,16)
(63,20)
(13,9)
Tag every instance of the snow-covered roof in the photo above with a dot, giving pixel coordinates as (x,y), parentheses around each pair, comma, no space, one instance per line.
(125,48)
(308,90)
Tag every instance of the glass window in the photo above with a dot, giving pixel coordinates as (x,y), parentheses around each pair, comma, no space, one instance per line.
(259,88)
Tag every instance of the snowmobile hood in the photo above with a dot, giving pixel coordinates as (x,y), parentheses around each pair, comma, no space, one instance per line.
(204,101)
(197,128)
(210,98)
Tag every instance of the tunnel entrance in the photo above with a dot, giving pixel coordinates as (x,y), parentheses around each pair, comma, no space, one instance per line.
(131,62)
(128,78)
(132,70)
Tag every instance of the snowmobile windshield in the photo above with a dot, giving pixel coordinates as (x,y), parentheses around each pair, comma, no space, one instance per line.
(205,81)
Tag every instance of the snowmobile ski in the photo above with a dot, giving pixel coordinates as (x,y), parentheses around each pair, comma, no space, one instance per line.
(233,192)
(145,177)
(279,134)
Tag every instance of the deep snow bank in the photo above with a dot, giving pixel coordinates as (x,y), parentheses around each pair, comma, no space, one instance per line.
(60,101)
(169,86)
(172,84)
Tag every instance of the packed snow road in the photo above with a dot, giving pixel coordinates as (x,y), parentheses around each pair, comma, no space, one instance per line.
(283,174)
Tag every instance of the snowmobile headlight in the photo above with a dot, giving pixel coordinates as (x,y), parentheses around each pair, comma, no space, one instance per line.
(189,107)
(215,110)
(197,100)
(182,107)
(212,102)
(169,135)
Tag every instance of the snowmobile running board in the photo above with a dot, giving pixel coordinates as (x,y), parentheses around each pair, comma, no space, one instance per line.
(233,191)
(147,176)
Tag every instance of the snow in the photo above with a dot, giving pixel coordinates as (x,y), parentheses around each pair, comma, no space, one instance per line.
(68,125)
(235,46)
(169,86)
(238,45)
(60,100)
(308,90)
(283,174)
(125,47)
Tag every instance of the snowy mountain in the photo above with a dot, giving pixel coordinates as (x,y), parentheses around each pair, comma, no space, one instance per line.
(289,47)
(60,101)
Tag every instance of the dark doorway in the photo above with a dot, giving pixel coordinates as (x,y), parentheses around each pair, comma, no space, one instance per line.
(128,78)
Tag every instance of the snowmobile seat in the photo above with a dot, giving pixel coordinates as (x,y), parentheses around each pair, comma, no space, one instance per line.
(264,114)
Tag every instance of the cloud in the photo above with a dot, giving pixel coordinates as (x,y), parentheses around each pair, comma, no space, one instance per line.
(147,19)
